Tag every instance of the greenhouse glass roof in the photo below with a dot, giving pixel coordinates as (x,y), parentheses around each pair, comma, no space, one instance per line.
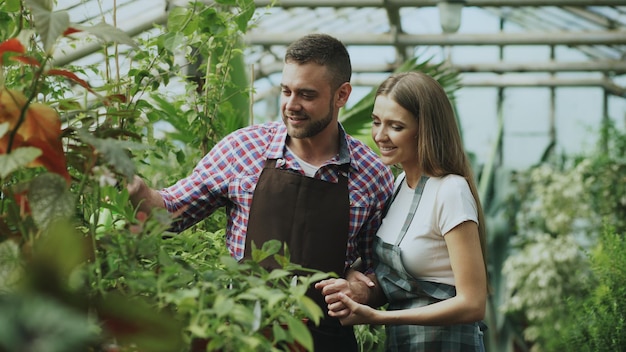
(529,47)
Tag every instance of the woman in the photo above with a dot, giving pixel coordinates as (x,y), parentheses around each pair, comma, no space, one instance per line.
(430,247)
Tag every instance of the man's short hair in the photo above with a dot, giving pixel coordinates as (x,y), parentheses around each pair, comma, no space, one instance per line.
(324,50)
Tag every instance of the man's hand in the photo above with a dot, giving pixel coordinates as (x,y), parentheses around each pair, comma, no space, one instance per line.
(356,286)
(142,196)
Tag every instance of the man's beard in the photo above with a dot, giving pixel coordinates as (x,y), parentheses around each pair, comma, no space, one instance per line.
(311,129)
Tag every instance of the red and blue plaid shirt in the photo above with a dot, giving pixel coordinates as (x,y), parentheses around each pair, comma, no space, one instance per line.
(228,174)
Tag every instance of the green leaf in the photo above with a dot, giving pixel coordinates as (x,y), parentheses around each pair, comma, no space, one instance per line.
(278,274)
(244,17)
(223,305)
(49,199)
(18,158)
(109,34)
(49,24)
(11,271)
(172,41)
(114,152)
(310,309)
(50,325)
(12,5)
(4,128)
(300,333)
(177,18)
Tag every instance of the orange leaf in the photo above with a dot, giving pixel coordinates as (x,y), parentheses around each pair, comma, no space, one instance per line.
(41,128)
(11,103)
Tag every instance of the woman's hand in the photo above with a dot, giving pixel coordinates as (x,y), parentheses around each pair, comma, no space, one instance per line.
(357,313)
(356,286)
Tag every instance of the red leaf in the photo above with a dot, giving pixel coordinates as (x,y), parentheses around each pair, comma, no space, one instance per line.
(22,200)
(52,157)
(70,31)
(121,98)
(12,45)
(70,75)
(26,60)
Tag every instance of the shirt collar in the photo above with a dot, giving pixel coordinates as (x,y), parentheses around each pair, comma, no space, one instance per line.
(277,146)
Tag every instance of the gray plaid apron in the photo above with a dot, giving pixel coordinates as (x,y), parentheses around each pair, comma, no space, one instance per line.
(403,291)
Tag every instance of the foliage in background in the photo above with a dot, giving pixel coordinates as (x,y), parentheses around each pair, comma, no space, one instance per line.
(563,207)
(595,321)
(70,243)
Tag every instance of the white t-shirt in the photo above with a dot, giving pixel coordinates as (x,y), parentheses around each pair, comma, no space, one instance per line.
(446,202)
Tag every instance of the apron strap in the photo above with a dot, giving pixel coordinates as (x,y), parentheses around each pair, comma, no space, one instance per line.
(417,196)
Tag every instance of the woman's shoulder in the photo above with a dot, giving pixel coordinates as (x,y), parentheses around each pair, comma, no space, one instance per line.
(451,185)
(450,180)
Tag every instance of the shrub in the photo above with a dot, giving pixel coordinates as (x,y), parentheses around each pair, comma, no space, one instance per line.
(596,321)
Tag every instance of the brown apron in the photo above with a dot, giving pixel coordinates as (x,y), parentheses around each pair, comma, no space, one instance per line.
(312,217)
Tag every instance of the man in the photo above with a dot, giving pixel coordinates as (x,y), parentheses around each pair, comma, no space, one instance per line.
(302,181)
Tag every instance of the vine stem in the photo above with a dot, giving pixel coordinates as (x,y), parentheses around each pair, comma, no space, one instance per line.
(29,100)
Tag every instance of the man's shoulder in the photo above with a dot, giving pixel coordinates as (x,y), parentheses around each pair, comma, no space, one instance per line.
(369,166)
(257,132)
(362,152)
(264,128)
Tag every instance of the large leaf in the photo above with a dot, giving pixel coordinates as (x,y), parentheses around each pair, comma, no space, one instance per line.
(37,322)
(11,270)
(137,321)
(300,333)
(49,24)
(49,199)
(108,34)
(115,152)
(17,159)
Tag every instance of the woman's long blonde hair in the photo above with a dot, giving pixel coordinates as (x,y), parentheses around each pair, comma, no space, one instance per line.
(440,149)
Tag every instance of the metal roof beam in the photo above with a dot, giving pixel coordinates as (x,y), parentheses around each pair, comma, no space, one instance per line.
(420,3)
(606,66)
(511,82)
(522,82)
(615,37)
(610,66)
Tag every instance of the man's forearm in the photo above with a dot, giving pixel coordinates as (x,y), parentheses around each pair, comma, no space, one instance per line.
(144,197)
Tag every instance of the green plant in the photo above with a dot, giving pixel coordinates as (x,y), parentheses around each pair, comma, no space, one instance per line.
(70,242)
(563,205)
(371,338)
(243,307)
(596,320)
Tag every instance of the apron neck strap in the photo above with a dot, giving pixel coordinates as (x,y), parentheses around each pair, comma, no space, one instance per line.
(417,196)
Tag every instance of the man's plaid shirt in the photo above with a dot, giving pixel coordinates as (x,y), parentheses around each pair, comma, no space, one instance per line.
(228,174)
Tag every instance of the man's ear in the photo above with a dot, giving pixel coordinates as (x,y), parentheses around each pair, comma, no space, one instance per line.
(342,94)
